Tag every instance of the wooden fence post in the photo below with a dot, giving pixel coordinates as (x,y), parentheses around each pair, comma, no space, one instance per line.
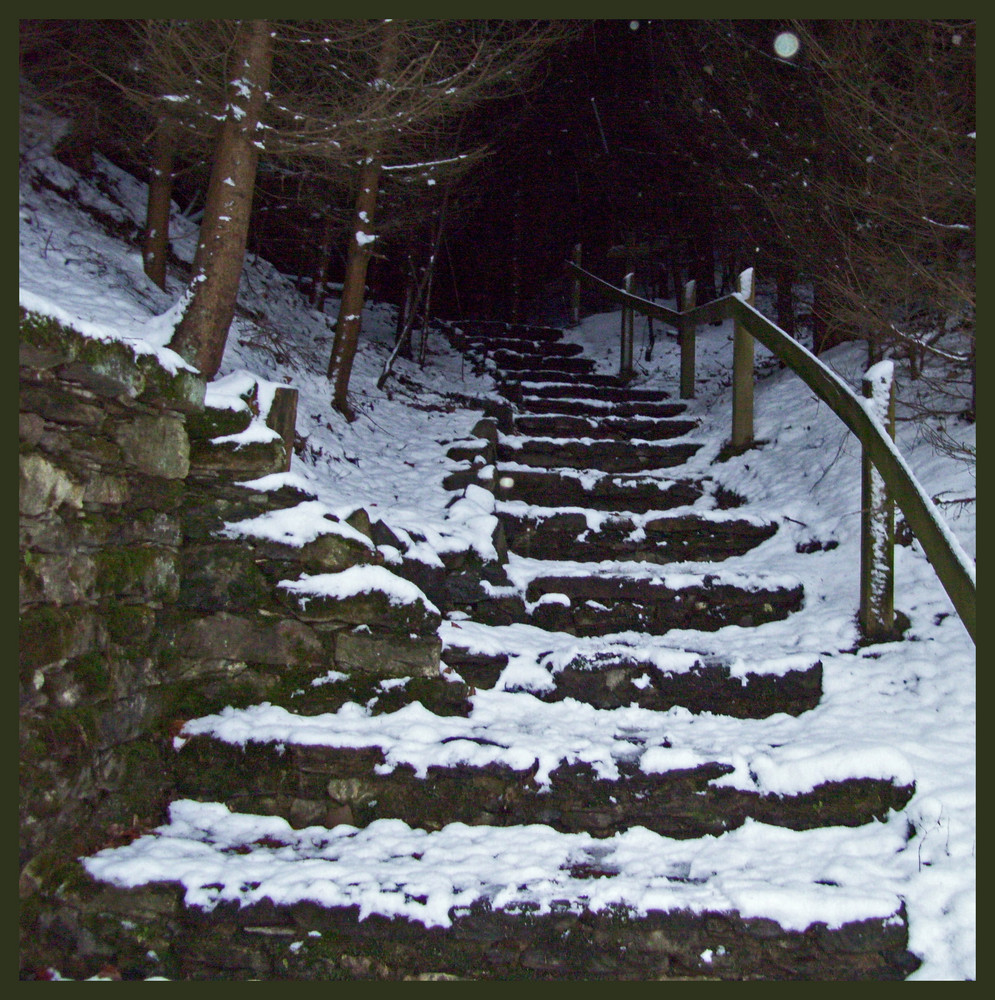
(877,516)
(628,324)
(575,289)
(742,371)
(686,333)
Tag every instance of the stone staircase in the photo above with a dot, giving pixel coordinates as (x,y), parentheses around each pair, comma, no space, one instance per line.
(579,738)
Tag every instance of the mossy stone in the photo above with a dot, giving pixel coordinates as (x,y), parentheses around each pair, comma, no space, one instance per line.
(45,485)
(92,672)
(50,635)
(181,390)
(138,571)
(219,421)
(155,445)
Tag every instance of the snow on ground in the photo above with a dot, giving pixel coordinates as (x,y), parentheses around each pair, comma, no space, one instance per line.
(905,710)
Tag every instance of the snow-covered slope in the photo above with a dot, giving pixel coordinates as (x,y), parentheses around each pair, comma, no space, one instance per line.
(904,710)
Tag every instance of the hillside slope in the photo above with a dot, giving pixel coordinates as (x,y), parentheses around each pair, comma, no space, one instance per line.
(79,261)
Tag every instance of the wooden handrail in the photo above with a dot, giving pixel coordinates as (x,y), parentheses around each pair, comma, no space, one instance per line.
(952,565)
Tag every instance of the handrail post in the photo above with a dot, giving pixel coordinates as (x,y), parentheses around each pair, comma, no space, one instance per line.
(686,333)
(742,371)
(628,318)
(575,289)
(877,516)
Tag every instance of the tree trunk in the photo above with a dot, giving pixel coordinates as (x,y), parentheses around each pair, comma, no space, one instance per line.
(350,318)
(156,245)
(406,300)
(427,309)
(217,267)
(349,323)
(319,290)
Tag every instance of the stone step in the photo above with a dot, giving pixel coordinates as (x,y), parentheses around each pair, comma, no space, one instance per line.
(615,427)
(607,456)
(487,329)
(512,364)
(208,504)
(393,903)
(498,347)
(590,536)
(230,458)
(518,760)
(610,675)
(594,490)
(580,381)
(598,407)
(605,387)
(543,369)
(317,784)
(610,603)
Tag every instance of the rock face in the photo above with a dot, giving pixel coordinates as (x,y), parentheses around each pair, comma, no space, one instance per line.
(137,610)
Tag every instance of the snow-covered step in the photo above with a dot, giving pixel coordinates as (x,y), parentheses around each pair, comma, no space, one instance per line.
(592,453)
(566,424)
(489,331)
(593,489)
(208,504)
(516,759)
(592,536)
(599,407)
(597,599)
(603,387)
(610,673)
(517,350)
(515,364)
(549,369)
(391,902)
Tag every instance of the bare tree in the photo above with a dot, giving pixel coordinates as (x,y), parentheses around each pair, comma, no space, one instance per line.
(902,95)
(855,164)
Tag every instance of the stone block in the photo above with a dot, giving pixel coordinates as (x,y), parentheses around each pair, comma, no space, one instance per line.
(222,577)
(44,342)
(56,579)
(372,607)
(155,445)
(282,418)
(30,428)
(44,485)
(107,490)
(182,390)
(105,367)
(250,461)
(328,553)
(386,654)
(275,641)
(62,406)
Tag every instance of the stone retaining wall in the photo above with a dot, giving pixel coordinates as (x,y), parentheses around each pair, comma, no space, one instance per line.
(139,610)
(104,455)
(110,485)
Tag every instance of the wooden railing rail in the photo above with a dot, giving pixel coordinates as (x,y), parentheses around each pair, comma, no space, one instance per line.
(953,567)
